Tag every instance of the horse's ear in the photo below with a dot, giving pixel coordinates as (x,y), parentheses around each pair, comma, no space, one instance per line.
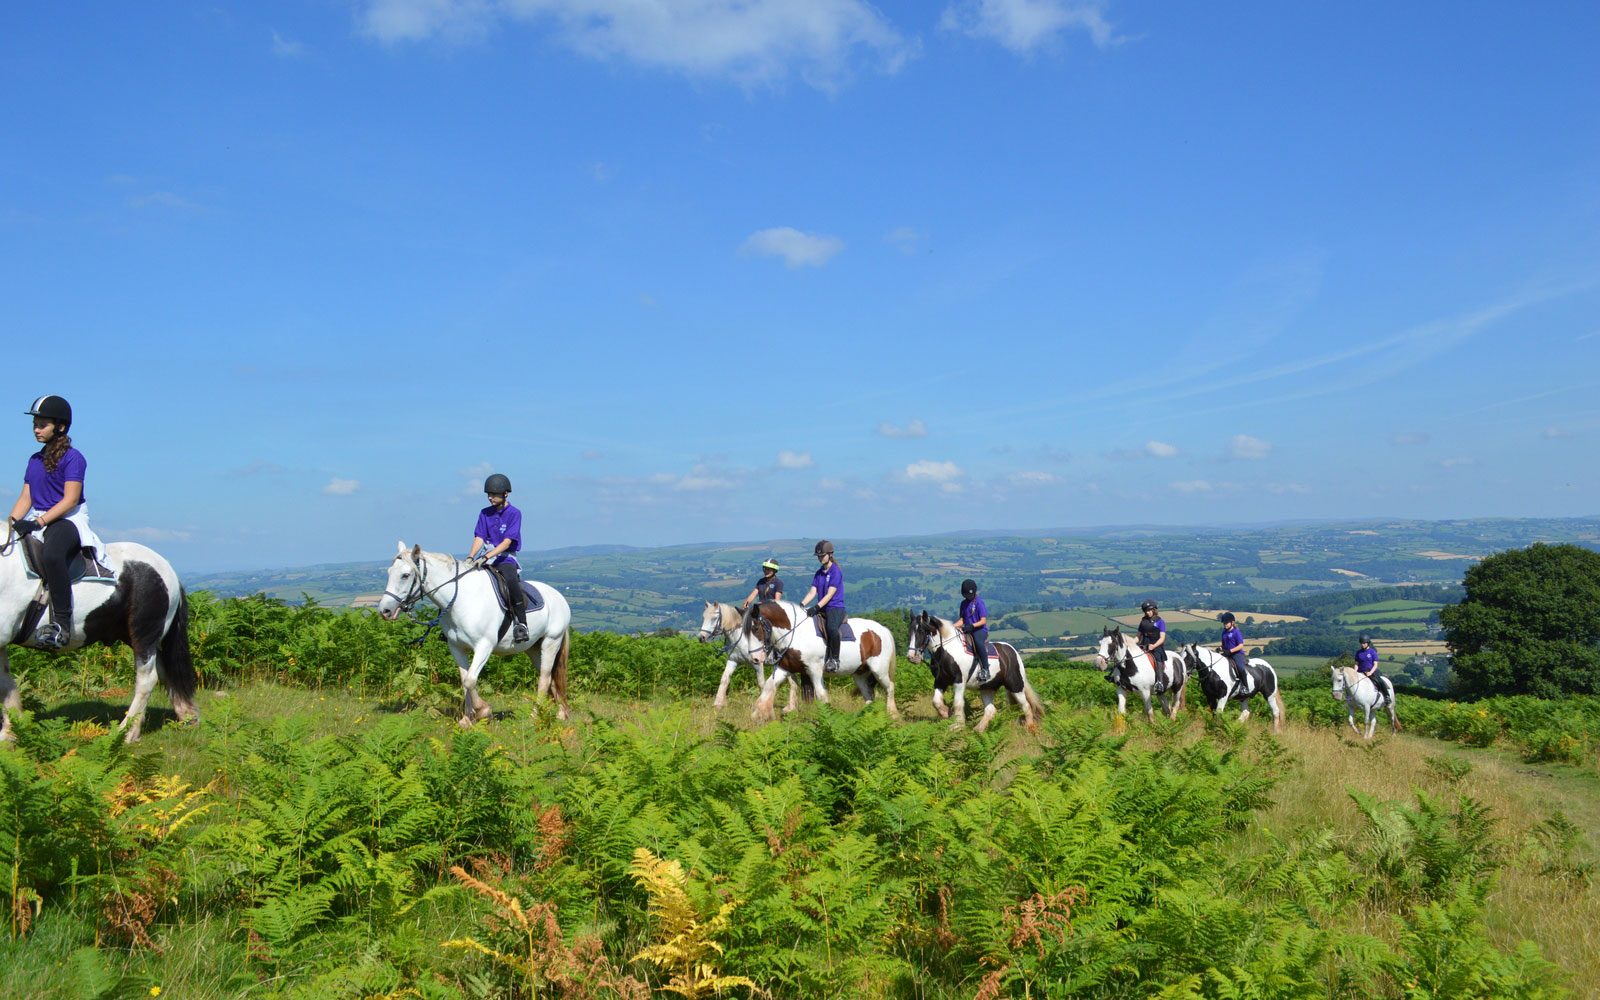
(416,550)
(401,550)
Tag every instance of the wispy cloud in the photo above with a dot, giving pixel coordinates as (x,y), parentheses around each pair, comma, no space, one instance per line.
(795,459)
(914,429)
(286,48)
(157,534)
(796,248)
(747,41)
(256,467)
(1032,477)
(591,455)
(1193,486)
(1556,433)
(1459,460)
(341,487)
(906,239)
(602,172)
(1243,447)
(1281,489)
(1151,449)
(1408,439)
(930,471)
(1025,25)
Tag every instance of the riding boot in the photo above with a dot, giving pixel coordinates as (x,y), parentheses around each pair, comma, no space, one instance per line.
(55,634)
(1160,685)
(519,631)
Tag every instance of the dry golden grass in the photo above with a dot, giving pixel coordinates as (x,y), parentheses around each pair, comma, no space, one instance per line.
(1261,619)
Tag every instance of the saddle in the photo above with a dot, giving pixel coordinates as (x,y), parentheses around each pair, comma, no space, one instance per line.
(535,599)
(966,643)
(846,633)
(88,564)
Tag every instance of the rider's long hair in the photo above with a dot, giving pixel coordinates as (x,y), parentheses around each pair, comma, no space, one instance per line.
(52,453)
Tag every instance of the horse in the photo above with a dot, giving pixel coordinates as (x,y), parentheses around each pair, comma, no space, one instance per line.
(950,663)
(144,606)
(723,619)
(1360,691)
(470,618)
(1133,669)
(1216,681)
(781,628)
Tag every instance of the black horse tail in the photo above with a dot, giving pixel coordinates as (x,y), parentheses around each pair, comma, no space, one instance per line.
(177,663)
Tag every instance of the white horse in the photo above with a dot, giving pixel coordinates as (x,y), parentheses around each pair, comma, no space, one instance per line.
(1133,669)
(470,618)
(1359,691)
(1216,681)
(782,627)
(950,662)
(144,606)
(723,620)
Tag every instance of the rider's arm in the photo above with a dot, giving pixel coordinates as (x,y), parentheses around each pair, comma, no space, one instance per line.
(750,598)
(477,543)
(24,503)
(827,597)
(71,494)
(809,595)
(498,550)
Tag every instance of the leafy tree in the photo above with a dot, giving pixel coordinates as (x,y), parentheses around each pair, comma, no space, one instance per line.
(1529,624)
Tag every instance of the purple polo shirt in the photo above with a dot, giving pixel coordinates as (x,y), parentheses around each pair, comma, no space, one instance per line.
(822,579)
(1367,660)
(495,526)
(47,488)
(1231,637)
(973,610)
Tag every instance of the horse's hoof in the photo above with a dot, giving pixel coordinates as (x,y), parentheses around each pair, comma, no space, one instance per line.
(466,722)
(562,712)
(720,703)
(944,713)
(483,714)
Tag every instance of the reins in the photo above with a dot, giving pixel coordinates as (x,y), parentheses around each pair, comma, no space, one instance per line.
(408,605)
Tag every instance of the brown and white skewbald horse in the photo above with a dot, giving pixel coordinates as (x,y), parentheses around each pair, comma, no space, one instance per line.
(781,629)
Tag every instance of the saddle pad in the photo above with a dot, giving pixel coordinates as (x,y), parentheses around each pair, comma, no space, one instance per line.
(86,565)
(966,643)
(846,633)
(535,599)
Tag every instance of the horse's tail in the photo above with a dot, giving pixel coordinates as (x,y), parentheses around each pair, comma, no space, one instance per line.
(1034,704)
(558,671)
(177,662)
(1277,704)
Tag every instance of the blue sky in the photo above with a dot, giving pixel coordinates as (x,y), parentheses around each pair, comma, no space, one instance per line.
(733,269)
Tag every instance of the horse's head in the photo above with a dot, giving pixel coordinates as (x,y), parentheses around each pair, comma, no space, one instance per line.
(1339,683)
(756,628)
(404,587)
(923,629)
(1109,646)
(711,621)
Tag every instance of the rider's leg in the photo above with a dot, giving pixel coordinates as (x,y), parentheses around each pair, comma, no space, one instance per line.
(833,618)
(980,653)
(1242,676)
(61,543)
(517,599)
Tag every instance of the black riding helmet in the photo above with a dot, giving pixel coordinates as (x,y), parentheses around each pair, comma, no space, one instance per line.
(1227,618)
(821,547)
(52,408)
(497,484)
(1366,638)
(969,588)
(1148,606)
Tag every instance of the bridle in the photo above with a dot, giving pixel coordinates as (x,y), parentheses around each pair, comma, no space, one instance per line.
(419,591)
(721,629)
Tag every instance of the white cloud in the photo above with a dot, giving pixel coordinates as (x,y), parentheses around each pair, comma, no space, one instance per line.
(1024,25)
(1160,449)
(748,41)
(286,48)
(1556,433)
(914,429)
(1032,477)
(157,534)
(1245,447)
(796,248)
(341,487)
(938,472)
(829,483)
(906,239)
(695,482)
(795,460)
(1151,449)
(1193,486)
(1404,440)
(602,171)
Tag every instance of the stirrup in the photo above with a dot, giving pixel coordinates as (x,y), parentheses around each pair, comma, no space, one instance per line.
(519,632)
(50,636)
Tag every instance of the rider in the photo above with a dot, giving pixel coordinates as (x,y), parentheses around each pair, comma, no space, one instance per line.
(52,499)
(1367,664)
(1233,649)
(768,588)
(827,586)
(1153,640)
(500,528)
(975,622)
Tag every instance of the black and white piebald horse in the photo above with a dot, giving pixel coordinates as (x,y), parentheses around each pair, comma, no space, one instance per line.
(1359,691)
(1133,669)
(474,623)
(951,662)
(143,605)
(1217,678)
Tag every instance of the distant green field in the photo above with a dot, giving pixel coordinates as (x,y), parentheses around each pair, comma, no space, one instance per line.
(1043,624)
(1286,665)
(1395,605)
(1378,617)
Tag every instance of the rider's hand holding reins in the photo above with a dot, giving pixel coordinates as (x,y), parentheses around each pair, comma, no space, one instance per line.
(24,528)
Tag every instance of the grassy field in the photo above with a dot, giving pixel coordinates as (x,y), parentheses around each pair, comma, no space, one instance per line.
(1536,886)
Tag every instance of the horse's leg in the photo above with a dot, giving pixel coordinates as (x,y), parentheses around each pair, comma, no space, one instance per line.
(794,695)
(1122,708)
(886,682)
(958,704)
(988,709)
(762,712)
(721,700)
(144,681)
(817,680)
(550,653)
(10,696)
(1149,711)
(938,703)
(1372,721)
(473,708)
(864,689)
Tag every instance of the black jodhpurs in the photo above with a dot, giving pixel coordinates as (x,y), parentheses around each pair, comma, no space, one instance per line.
(832,618)
(61,543)
(980,648)
(1239,659)
(519,600)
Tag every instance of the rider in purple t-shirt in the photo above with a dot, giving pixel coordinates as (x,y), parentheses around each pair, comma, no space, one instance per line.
(1233,649)
(52,499)
(827,586)
(499,533)
(1367,664)
(975,622)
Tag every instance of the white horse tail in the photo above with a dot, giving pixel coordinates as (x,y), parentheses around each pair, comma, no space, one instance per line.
(177,662)
(1277,704)
(1034,704)
(558,672)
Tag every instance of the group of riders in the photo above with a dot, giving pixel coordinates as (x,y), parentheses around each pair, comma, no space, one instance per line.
(53,504)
